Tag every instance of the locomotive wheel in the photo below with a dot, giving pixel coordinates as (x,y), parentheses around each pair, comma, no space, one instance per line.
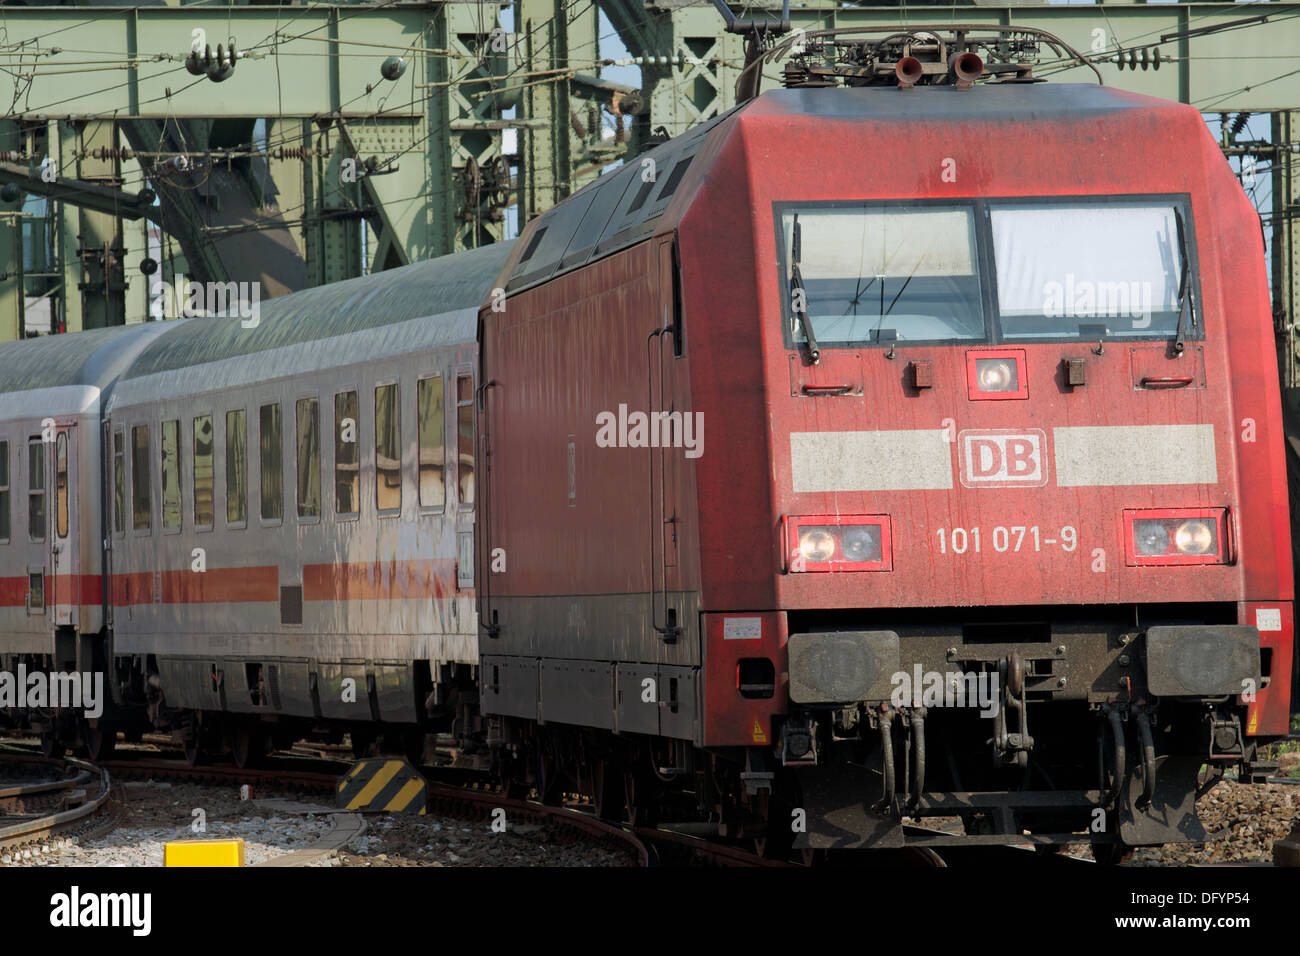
(361,741)
(642,802)
(193,750)
(192,738)
(408,743)
(549,783)
(923,856)
(51,745)
(774,846)
(778,841)
(246,746)
(101,741)
(413,748)
(1111,854)
(607,790)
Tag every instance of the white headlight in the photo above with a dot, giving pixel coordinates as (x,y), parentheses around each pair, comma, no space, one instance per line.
(1195,537)
(996,375)
(816,544)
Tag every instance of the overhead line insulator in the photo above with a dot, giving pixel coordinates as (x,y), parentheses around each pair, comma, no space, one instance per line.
(218,66)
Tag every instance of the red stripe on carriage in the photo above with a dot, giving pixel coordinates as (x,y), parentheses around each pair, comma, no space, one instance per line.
(367,581)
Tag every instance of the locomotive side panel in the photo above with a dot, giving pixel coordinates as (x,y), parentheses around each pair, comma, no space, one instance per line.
(591,529)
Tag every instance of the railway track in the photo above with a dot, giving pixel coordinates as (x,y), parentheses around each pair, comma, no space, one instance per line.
(452,793)
(456,794)
(470,797)
(45,804)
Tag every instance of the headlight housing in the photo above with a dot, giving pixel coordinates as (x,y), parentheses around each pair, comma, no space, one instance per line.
(1177,536)
(837,543)
(996,374)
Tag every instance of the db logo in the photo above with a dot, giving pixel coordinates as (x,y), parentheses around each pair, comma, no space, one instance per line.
(1000,457)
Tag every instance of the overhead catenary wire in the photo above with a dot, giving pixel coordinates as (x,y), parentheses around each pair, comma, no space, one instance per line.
(272,46)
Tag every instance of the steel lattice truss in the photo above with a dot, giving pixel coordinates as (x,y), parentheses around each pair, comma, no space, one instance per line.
(365,163)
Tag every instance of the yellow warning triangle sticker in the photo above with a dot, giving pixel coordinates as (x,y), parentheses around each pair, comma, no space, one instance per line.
(758,735)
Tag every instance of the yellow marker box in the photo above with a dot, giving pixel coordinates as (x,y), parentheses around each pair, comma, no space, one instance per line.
(204,853)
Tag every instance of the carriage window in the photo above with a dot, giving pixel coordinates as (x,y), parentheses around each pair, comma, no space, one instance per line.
(433,452)
(308,433)
(877,273)
(171,474)
(61,485)
(140,504)
(465,439)
(272,464)
(1091,270)
(236,467)
(204,480)
(4,492)
(36,490)
(347,477)
(119,480)
(388,449)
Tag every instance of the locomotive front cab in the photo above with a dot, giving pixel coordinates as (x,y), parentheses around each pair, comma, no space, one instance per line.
(1028,496)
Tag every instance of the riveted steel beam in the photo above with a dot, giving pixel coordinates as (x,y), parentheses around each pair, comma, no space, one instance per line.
(292,60)
(81,193)
(382,141)
(566,104)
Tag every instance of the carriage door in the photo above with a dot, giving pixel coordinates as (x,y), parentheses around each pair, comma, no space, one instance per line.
(664,345)
(64,597)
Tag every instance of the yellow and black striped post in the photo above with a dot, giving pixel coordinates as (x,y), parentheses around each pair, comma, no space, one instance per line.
(385,785)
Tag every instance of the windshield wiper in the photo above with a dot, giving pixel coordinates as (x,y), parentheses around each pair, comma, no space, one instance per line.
(858,292)
(1184,287)
(796,283)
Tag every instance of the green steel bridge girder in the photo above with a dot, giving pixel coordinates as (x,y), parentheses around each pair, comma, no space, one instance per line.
(294,61)
(1252,67)
(316,73)
(309,61)
(554,142)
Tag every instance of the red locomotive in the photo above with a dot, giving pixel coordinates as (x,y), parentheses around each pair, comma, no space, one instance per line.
(886,451)
(890,447)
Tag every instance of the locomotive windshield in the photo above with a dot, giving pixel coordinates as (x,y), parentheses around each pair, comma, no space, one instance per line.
(1083,270)
(877,273)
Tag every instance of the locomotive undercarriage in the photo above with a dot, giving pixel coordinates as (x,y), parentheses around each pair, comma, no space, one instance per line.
(1053,736)
(1047,731)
